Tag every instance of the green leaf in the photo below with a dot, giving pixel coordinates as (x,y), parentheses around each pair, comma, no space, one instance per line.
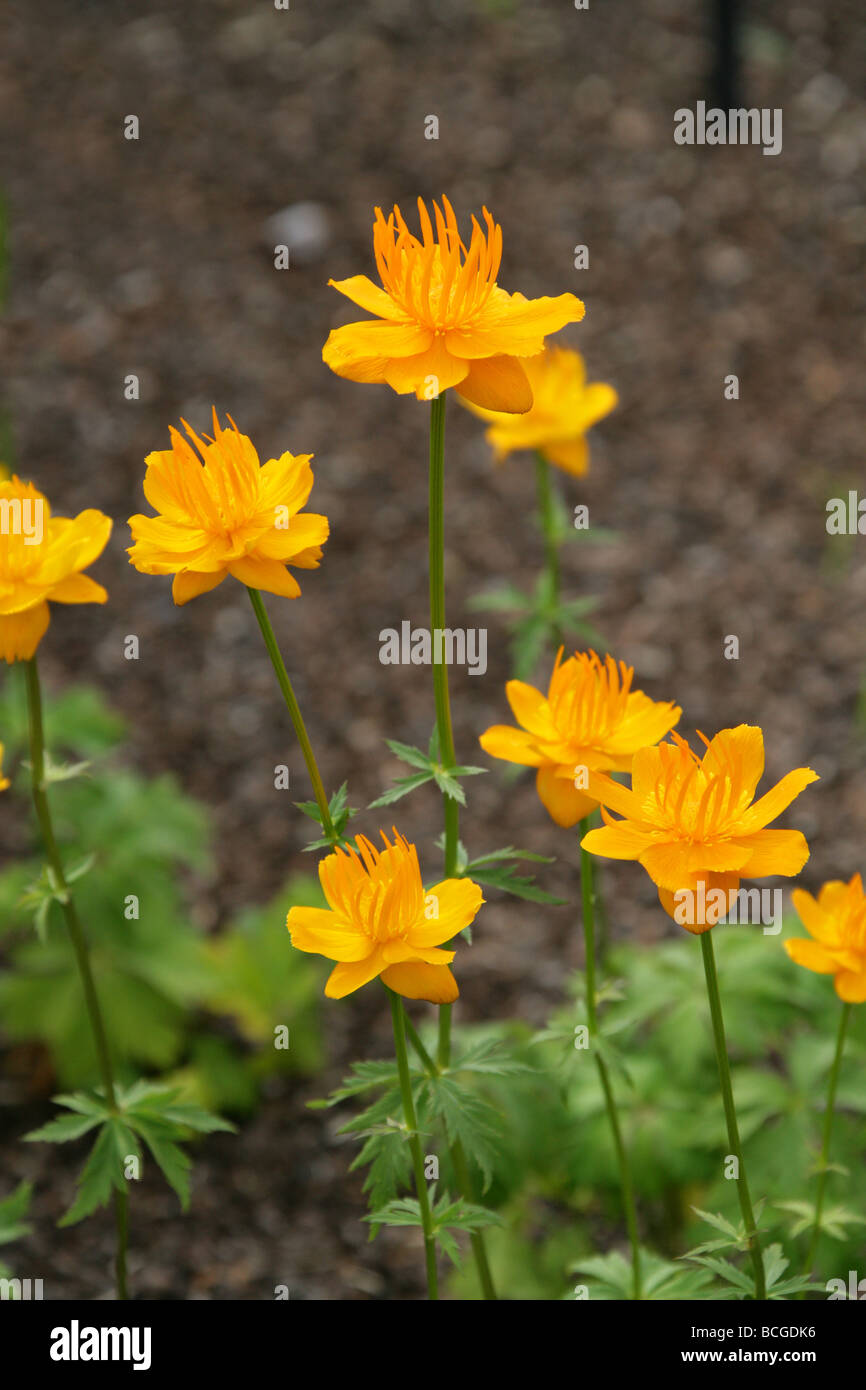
(469,1119)
(174,1164)
(402,787)
(63,1129)
(103,1172)
(13,1210)
(407,753)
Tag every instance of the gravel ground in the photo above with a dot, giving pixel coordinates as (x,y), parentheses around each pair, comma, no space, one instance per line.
(155,257)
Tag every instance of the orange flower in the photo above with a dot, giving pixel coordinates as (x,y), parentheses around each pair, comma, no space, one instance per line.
(563,409)
(441,319)
(591,720)
(41,560)
(694,826)
(225,513)
(379,921)
(4,781)
(837,924)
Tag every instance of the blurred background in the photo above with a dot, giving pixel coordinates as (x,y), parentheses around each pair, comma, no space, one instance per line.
(155,257)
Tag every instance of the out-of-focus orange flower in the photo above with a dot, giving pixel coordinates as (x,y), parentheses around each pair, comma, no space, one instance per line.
(590,721)
(41,560)
(441,319)
(4,781)
(564,407)
(836,921)
(380,921)
(225,513)
(694,825)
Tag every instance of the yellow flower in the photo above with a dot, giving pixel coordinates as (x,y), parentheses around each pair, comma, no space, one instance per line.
(590,721)
(41,559)
(837,924)
(564,407)
(4,781)
(441,319)
(225,513)
(694,826)
(379,921)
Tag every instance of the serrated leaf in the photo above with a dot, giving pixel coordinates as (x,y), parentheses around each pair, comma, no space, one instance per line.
(402,787)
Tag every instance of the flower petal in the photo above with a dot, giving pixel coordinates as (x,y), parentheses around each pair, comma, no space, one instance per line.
(510,744)
(457,901)
(78,588)
(415,980)
(776,800)
(268,575)
(497,383)
(774,852)
(561,799)
(347,976)
(363,292)
(320,932)
(188,584)
(21,633)
(812,955)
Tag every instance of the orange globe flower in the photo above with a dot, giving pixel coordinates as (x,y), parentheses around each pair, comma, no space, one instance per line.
(380,921)
(41,561)
(564,407)
(221,512)
(837,924)
(694,825)
(441,319)
(591,720)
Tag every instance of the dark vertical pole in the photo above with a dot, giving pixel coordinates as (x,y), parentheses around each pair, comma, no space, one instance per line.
(726,51)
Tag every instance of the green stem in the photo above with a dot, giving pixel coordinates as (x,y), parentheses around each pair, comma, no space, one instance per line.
(440,668)
(625,1178)
(76,934)
(825,1142)
(398,1020)
(294,713)
(461,1171)
(731,1113)
(447,756)
(547,517)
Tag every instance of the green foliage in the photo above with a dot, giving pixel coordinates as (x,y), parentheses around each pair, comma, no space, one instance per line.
(123,837)
(156,1114)
(537,616)
(496,869)
(429,769)
(13,1223)
(554,1165)
(340,812)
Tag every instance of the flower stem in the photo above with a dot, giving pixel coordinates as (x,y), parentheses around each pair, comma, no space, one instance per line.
(828,1129)
(447,758)
(440,667)
(731,1113)
(461,1171)
(294,713)
(625,1180)
(547,517)
(398,1020)
(77,937)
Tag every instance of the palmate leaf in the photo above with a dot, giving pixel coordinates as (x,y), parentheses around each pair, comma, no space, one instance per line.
(661,1280)
(447,1216)
(834,1220)
(103,1173)
(429,770)
(364,1076)
(340,813)
(496,870)
(468,1119)
(174,1164)
(490,1057)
